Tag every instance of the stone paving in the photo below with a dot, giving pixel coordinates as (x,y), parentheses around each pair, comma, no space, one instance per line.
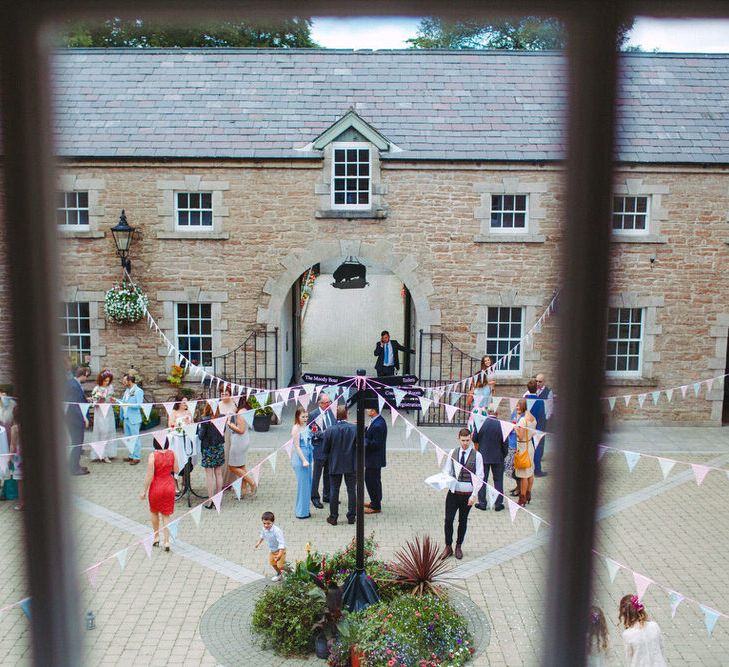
(150,612)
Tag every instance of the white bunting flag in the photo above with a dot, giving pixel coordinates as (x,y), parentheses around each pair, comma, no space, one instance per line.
(381,403)
(450,411)
(437,395)
(641,399)
(709,385)
(513,508)
(248,415)
(477,482)
(217,500)
(103,408)
(277,409)
(601,451)
(530,403)
(655,396)
(196,514)
(478,420)
(394,414)
(4,461)
(631,458)
(506,428)
(190,430)
(168,407)
(492,494)
(675,599)
(129,441)
(121,557)
(669,394)
(408,429)
(537,438)
(457,467)
(536,522)
(495,402)
(711,616)
(289,448)
(304,400)
(666,466)
(99,448)
(683,389)
(423,443)
(147,409)
(92,574)
(192,406)
(626,399)
(439,454)
(237,486)
(425,403)
(282,395)
(160,436)
(641,584)
(272,460)
(700,472)
(219,423)
(611,402)
(399,395)
(255,474)
(512,403)
(613,567)
(147,544)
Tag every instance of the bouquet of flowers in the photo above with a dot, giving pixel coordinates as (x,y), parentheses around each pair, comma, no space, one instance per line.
(124,303)
(100,394)
(179,425)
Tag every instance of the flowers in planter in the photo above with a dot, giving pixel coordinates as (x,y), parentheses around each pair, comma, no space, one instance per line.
(177,374)
(124,303)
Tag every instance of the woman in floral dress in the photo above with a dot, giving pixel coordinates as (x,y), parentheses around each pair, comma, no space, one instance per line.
(212,453)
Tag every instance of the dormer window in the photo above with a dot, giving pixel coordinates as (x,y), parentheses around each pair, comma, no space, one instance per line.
(351,184)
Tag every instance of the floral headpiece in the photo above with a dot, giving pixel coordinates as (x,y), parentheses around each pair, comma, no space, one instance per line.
(594,618)
(635,601)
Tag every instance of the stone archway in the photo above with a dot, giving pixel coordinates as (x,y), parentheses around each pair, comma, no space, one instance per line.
(380,252)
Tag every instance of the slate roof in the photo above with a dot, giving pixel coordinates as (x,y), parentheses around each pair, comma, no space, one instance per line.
(434,105)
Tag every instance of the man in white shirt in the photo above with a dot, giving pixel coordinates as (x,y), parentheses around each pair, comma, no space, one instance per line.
(460,463)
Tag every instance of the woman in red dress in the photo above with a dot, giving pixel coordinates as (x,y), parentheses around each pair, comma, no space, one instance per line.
(160,485)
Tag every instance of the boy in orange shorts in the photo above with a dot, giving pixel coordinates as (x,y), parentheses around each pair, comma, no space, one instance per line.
(274,538)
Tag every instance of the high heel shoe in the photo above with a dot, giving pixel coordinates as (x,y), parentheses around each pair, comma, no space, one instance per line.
(155,544)
(522,499)
(514,492)
(528,497)
(167,547)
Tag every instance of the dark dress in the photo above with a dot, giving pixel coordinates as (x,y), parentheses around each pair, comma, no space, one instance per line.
(212,445)
(162,488)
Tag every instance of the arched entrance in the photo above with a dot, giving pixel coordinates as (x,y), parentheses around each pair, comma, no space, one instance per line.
(283,306)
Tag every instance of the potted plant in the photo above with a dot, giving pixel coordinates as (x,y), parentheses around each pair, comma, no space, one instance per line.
(125,303)
(262,416)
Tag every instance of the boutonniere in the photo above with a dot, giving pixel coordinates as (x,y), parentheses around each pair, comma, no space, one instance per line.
(131,392)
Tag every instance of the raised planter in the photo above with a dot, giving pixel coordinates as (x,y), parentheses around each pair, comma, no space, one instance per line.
(261,422)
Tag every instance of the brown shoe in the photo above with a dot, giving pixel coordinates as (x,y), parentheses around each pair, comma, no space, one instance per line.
(368,504)
(459,553)
(134,462)
(447,552)
(331,521)
(369,510)
(127,460)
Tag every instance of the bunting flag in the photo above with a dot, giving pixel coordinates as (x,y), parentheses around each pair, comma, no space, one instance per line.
(272,460)
(477,482)
(190,430)
(700,472)
(381,403)
(146,409)
(613,567)
(423,443)
(457,467)
(289,447)
(304,400)
(255,474)
(399,395)
(147,544)
(192,406)
(160,437)
(408,429)
(666,465)
(506,429)
(631,458)
(669,394)
(425,403)
(675,599)
(394,414)
(439,454)
(536,522)
(641,399)
(196,514)
(611,402)
(25,606)
(711,616)
(450,411)
(248,416)
(103,408)
(219,423)
(345,394)
(4,461)
(496,401)
(168,407)
(121,557)
(709,385)
(684,389)
(530,403)
(513,508)
(626,399)
(237,486)
(92,574)
(455,397)
(492,494)
(601,451)
(641,584)
(277,409)
(512,403)
(99,448)
(217,500)
(537,437)
(655,396)
(173,527)
(697,388)
(478,420)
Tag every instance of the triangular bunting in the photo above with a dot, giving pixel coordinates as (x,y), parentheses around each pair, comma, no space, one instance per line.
(675,599)
(277,409)
(536,522)
(217,500)
(641,584)
(492,494)
(192,406)
(219,423)
(121,557)
(457,467)
(289,448)
(478,420)
(512,403)
(506,428)
(455,397)
(168,407)
(655,396)
(601,451)
(190,430)
(709,385)
(537,437)
(669,394)
(236,486)
(248,416)
(631,458)
(611,402)
(530,403)
(711,616)
(666,465)
(161,436)
(450,411)
(641,399)
(25,606)
(304,400)
(147,409)
(700,471)
(425,403)
(408,429)
(439,454)
(495,401)
(380,403)
(272,460)
(613,567)
(697,388)
(255,474)
(84,407)
(147,544)
(4,461)
(626,399)
(196,514)
(477,482)
(99,448)
(92,574)
(173,528)
(683,389)
(513,508)
(394,414)
(103,408)
(424,444)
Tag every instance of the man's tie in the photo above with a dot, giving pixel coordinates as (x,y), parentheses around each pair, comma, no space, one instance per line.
(463,457)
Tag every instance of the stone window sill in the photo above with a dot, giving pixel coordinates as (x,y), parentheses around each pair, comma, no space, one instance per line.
(195,236)
(628,238)
(629,382)
(509,238)
(73,234)
(343,214)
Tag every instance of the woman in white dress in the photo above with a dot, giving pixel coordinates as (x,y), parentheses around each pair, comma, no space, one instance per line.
(240,441)
(526,425)
(642,638)
(104,420)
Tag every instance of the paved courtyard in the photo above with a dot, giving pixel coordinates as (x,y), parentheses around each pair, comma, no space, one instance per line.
(150,612)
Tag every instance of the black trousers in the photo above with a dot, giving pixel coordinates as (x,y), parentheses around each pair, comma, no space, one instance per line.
(456,503)
(335,481)
(320,471)
(76,432)
(373,482)
(385,371)
(497,475)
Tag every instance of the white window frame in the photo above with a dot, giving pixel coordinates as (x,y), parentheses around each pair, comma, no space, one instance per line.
(84,356)
(210,336)
(78,227)
(189,227)
(632,232)
(503,372)
(510,230)
(358,145)
(641,343)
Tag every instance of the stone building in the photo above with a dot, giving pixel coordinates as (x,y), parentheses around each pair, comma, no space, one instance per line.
(243,169)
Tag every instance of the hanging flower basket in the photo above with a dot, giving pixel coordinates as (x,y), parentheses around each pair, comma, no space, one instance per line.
(123,303)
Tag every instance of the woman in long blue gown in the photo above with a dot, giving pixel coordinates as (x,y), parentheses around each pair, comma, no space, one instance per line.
(301,461)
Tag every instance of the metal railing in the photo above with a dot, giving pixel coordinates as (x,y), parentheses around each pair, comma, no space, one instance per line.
(254,363)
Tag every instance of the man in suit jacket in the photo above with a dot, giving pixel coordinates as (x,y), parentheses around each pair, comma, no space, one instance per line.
(375,461)
(76,420)
(386,351)
(537,406)
(320,468)
(340,448)
(545,393)
(131,415)
(493,449)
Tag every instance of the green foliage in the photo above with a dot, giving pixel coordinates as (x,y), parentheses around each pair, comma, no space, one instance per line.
(527,33)
(407,630)
(419,565)
(260,409)
(146,33)
(285,614)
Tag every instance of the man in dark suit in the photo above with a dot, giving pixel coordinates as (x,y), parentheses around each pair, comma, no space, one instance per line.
(544,393)
(340,448)
(536,405)
(76,420)
(386,351)
(493,449)
(321,467)
(375,461)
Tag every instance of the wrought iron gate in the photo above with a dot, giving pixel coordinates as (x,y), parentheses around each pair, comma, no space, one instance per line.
(254,363)
(441,362)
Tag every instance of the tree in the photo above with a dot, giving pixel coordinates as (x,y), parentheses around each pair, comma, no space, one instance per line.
(144,33)
(527,33)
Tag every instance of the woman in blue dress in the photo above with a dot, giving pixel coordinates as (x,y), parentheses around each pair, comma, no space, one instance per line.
(301,460)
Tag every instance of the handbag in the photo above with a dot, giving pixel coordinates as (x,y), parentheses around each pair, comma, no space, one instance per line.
(521,459)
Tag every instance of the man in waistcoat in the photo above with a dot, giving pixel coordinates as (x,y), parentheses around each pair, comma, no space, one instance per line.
(460,463)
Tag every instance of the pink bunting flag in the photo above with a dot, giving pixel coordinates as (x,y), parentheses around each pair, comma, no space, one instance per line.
(217,500)
(161,436)
(147,544)
(92,574)
(512,403)
(537,438)
(513,508)
(450,411)
(699,472)
(304,400)
(168,407)
(289,447)
(684,389)
(103,408)
(641,399)
(394,414)
(99,448)
(709,385)
(506,428)
(219,423)
(255,473)
(641,584)
(626,399)
(439,454)
(477,482)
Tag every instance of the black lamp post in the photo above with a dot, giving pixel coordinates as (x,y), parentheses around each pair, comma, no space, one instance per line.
(123,235)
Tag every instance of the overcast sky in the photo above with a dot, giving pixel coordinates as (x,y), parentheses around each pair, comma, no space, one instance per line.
(680,35)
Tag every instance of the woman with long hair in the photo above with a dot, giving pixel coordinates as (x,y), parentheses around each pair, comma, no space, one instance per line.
(104,420)
(302,457)
(483,386)
(597,638)
(642,638)
(159,486)
(240,441)
(526,425)
(226,406)
(212,453)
